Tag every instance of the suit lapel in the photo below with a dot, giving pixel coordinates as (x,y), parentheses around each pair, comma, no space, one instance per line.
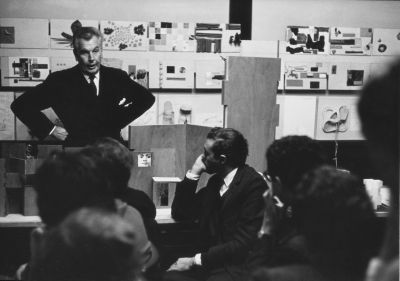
(234,188)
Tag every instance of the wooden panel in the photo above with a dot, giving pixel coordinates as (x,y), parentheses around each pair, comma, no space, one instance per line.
(16,150)
(30,206)
(14,204)
(7,119)
(23,166)
(14,180)
(186,141)
(2,187)
(45,149)
(250,97)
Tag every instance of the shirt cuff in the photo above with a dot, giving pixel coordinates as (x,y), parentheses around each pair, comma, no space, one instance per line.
(192,176)
(197,259)
(52,130)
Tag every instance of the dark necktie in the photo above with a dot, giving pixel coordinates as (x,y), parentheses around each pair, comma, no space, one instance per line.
(92,85)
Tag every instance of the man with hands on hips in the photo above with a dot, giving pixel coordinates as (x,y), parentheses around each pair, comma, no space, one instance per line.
(229,208)
(90,99)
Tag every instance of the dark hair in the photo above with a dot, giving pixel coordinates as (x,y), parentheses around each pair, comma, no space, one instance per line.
(231,143)
(334,212)
(85,32)
(117,158)
(67,181)
(90,244)
(290,157)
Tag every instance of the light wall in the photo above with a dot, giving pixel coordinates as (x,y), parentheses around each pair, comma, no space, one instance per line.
(144,10)
(270,17)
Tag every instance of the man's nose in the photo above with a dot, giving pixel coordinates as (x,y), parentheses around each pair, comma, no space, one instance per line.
(91,57)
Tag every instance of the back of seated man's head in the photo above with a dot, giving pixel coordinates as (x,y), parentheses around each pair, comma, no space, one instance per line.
(91,245)
(334,212)
(231,143)
(67,181)
(290,157)
(117,158)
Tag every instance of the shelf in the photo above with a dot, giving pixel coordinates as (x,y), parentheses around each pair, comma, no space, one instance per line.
(163,216)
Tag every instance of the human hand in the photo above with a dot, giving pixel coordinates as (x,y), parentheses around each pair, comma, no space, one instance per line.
(59,133)
(198,166)
(182,264)
(270,214)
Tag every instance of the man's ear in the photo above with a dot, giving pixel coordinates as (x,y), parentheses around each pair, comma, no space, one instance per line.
(75,54)
(223,158)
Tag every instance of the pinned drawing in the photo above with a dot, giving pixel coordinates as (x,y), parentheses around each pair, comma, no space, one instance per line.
(24,71)
(209,73)
(337,119)
(386,42)
(199,109)
(171,36)
(24,33)
(231,38)
(348,76)
(124,35)
(307,40)
(350,41)
(138,70)
(62,31)
(168,114)
(305,75)
(175,75)
(208,37)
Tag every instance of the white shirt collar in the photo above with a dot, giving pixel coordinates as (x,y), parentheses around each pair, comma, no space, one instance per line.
(227,181)
(96,80)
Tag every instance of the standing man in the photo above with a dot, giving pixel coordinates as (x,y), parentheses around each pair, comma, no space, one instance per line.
(229,208)
(91,100)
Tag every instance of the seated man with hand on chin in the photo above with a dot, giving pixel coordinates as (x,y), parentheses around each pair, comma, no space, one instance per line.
(229,209)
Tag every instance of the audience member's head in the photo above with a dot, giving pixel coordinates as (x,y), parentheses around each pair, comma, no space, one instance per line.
(89,245)
(334,213)
(229,144)
(379,113)
(288,159)
(67,181)
(117,158)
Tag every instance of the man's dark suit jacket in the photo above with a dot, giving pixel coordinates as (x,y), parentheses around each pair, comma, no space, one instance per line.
(228,225)
(84,115)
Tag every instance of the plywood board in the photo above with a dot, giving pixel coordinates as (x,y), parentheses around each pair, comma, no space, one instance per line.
(61,31)
(386,42)
(24,71)
(350,41)
(297,115)
(124,35)
(306,40)
(172,36)
(209,73)
(7,118)
(199,109)
(24,33)
(338,114)
(250,98)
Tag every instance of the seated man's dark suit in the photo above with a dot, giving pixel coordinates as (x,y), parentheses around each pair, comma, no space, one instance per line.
(85,116)
(228,224)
